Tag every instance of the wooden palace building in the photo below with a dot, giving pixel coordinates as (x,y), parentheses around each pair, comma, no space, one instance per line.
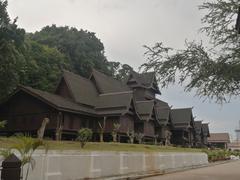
(98,100)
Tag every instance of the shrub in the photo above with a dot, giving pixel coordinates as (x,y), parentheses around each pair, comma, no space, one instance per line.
(84,135)
(217,155)
(3,124)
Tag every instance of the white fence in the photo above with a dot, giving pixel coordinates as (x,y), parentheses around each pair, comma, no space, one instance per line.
(75,165)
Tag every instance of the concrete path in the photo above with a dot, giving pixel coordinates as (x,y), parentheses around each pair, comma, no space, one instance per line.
(227,171)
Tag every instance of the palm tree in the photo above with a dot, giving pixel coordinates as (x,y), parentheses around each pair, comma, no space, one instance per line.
(25,146)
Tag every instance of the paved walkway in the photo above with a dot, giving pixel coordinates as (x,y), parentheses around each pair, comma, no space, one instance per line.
(227,171)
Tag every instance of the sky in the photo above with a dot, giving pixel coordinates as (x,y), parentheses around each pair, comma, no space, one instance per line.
(124,26)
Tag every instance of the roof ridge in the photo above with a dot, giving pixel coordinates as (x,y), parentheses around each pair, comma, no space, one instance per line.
(107,76)
(181,108)
(45,92)
(77,75)
(146,101)
(115,93)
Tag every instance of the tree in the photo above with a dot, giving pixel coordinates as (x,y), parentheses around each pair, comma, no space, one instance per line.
(131,136)
(25,61)
(83,49)
(212,71)
(119,71)
(115,130)
(102,129)
(41,130)
(11,47)
(139,137)
(84,135)
(43,66)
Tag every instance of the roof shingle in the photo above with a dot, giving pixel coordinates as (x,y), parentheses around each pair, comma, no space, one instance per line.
(181,117)
(83,89)
(106,84)
(219,137)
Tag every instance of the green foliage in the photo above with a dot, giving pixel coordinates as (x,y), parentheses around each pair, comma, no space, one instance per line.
(37,59)
(25,146)
(212,72)
(5,153)
(24,61)
(83,49)
(217,155)
(3,124)
(119,71)
(84,135)
(11,47)
(43,66)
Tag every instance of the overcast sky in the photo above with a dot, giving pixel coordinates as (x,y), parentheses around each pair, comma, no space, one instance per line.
(124,26)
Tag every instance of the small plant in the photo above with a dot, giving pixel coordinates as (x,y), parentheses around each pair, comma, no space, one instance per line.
(116,127)
(102,128)
(3,124)
(139,137)
(131,136)
(84,135)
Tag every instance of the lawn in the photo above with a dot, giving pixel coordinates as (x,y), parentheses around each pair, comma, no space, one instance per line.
(94,146)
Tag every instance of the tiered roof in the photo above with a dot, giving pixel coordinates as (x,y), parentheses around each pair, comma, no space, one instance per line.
(182,118)
(145,80)
(145,109)
(97,95)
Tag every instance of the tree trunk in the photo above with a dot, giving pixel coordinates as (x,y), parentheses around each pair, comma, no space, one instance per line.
(101,137)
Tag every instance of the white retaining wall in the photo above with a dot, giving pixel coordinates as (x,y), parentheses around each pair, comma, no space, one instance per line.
(73,165)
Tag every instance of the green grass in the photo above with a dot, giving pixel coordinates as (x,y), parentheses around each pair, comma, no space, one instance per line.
(94,146)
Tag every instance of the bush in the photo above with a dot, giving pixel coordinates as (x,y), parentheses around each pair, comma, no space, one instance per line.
(217,155)
(84,135)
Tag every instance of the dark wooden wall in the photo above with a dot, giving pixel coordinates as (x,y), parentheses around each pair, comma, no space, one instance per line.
(143,94)
(149,128)
(63,90)
(25,113)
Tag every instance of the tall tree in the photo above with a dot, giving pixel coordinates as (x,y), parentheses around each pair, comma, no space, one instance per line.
(43,66)
(119,71)
(11,47)
(83,48)
(213,71)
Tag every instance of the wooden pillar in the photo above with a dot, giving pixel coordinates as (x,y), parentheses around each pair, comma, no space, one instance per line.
(59,126)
